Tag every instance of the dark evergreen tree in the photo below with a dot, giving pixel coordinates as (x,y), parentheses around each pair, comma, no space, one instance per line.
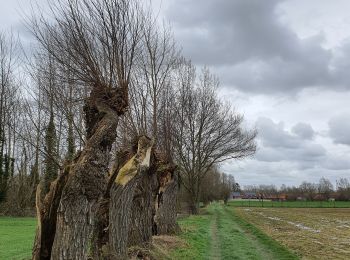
(51,167)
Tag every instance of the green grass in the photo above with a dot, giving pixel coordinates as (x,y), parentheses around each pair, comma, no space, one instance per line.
(290,204)
(196,233)
(237,239)
(16,237)
(217,229)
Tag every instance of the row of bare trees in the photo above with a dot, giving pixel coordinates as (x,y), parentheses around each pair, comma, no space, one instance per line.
(109,122)
(7,113)
(323,190)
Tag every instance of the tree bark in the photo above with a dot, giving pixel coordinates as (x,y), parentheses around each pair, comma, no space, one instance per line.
(85,185)
(165,218)
(100,234)
(149,192)
(47,215)
(73,212)
(143,210)
(122,194)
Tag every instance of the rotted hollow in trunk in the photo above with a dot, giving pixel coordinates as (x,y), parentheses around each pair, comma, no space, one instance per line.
(46,206)
(165,217)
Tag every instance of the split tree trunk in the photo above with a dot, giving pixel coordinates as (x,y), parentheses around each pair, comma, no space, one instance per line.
(122,194)
(47,214)
(85,180)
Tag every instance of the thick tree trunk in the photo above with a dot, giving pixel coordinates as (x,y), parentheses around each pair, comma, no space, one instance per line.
(122,194)
(165,219)
(143,210)
(100,234)
(154,203)
(85,185)
(149,192)
(85,180)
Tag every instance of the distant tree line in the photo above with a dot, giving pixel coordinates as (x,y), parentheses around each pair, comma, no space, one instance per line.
(323,190)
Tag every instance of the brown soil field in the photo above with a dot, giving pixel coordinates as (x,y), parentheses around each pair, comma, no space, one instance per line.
(312,233)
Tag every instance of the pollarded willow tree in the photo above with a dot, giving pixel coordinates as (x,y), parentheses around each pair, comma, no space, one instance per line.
(96,42)
(206,132)
(149,82)
(151,103)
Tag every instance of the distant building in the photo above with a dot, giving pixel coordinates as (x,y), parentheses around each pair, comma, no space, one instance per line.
(275,197)
(236,195)
(250,195)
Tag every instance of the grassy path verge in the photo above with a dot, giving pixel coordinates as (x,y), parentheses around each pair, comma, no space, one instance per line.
(221,234)
(196,235)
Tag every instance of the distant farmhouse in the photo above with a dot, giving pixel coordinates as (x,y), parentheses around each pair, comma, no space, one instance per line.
(255,195)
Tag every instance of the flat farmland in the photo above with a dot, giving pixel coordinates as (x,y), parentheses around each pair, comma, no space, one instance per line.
(312,233)
(289,204)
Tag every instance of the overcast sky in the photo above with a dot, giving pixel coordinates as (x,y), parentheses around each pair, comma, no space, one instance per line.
(285,65)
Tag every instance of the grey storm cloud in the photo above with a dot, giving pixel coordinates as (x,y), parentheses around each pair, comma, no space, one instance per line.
(298,146)
(339,129)
(278,144)
(336,163)
(275,135)
(255,51)
(340,66)
(252,50)
(229,32)
(303,130)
